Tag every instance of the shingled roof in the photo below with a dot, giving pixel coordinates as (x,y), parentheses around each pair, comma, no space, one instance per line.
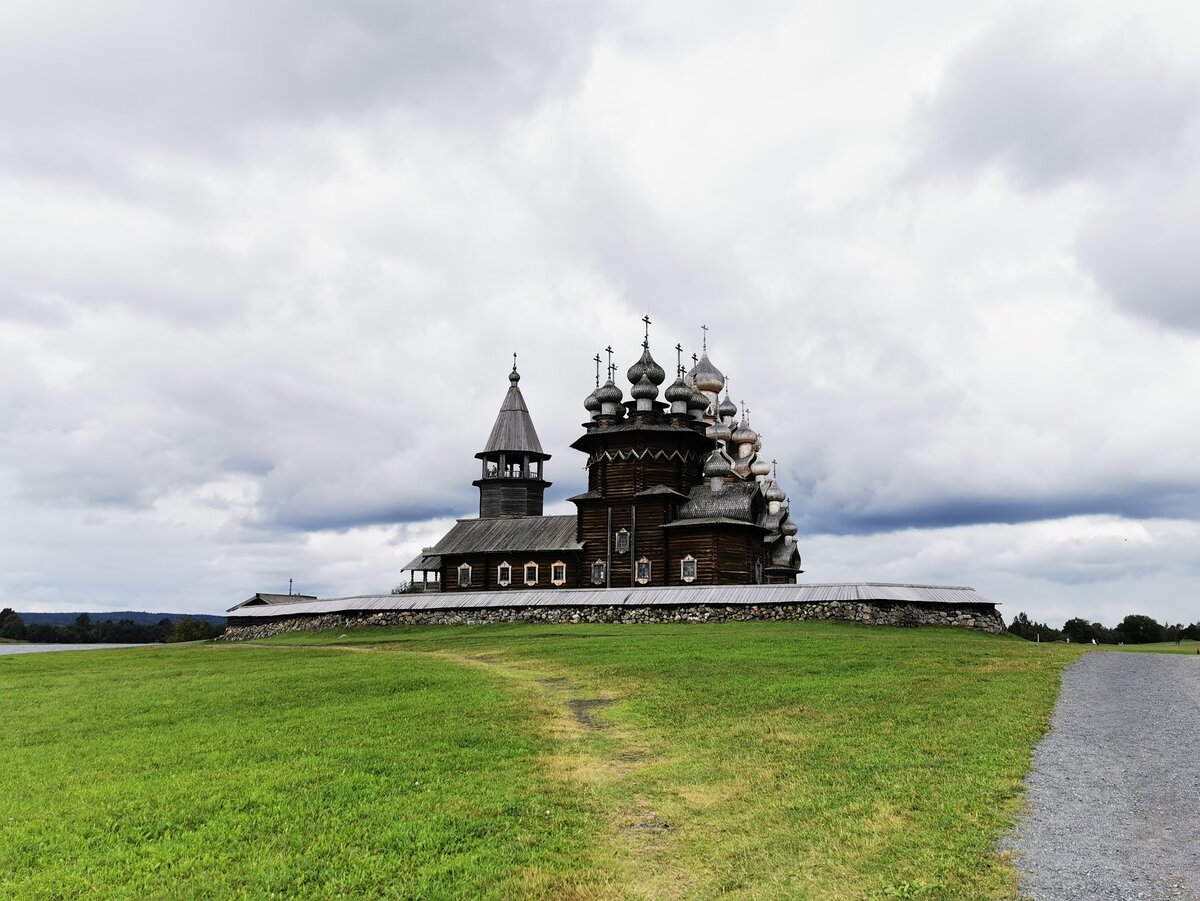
(513,431)
(485,536)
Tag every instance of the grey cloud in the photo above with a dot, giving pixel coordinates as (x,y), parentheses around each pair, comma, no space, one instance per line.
(96,82)
(1141,248)
(1046,110)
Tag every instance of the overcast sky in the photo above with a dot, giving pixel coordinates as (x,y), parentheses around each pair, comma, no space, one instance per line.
(263,267)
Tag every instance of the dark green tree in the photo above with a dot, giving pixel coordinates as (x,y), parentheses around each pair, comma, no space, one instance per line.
(11,625)
(1138,629)
(188,629)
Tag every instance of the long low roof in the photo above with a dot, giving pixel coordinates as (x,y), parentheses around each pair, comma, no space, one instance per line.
(684,595)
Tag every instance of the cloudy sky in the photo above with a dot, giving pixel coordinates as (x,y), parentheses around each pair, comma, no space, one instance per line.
(263,267)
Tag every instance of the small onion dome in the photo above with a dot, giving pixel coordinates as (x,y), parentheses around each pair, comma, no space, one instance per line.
(760,467)
(698,401)
(707,376)
(609,393)
(727,408)
(678,392)
(514,376)
(788,527)
(592,402)
(718,431)
(743,434)
(717,466)
(775,493)
(646,367)
(644,389)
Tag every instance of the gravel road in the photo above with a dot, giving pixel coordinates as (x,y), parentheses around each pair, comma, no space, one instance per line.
(1114,794)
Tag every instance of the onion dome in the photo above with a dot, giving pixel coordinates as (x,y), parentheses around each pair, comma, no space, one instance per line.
(646,367)
(644,389)
(698,401)
(760,467)
(678,392)
(719,431)
(716,466)
(788,527)
(727,408)
(592,402)
(743,434)
(706,376)
(775,493)
(609,393)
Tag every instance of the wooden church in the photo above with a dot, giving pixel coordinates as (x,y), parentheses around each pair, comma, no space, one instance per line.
(678,494)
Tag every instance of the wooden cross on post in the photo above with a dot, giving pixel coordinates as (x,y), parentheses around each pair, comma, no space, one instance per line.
(514,361)
(608,350)
(646,340)
(705,339)
(679,360)
(597,359)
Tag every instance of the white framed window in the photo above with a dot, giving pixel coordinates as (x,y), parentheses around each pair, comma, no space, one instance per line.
(598,572)
(688,569)
(643,571)
(622,541)
(558,572)
(464,576)
(531,573)
(504,574)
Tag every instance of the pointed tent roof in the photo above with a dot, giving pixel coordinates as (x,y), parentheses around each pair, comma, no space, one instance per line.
(513,431)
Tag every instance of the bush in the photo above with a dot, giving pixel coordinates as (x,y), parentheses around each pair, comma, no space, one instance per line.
(188,629)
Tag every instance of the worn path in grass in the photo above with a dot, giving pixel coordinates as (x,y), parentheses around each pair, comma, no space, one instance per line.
(1114,793)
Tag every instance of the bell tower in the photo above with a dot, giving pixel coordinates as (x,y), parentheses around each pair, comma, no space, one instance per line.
(511,482)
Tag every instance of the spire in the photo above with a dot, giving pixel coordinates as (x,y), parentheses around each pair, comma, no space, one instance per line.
(513,430)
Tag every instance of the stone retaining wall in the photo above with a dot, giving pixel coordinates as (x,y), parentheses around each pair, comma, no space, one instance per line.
(982,617)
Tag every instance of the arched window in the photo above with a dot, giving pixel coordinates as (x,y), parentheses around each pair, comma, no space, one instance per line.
(464,576)
(598,572)
(558,572)
(531,574)
(504,574)
(687,568)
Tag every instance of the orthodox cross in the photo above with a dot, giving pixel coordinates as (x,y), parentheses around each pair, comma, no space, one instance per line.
(695,361)
(743,411)
(705,327)
(646,340)
(514,361)
(775,470)
(679,359)
(597,359)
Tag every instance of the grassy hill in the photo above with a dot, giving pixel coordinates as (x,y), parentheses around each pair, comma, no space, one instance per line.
(750,760)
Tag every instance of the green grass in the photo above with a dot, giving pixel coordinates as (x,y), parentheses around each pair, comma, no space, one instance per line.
(1186,646)
(750,760)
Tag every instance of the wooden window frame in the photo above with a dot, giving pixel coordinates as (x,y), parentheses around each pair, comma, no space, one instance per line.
(603,572)
(464,569)
(555,568)
(683,568)
(525,573)
(501,579)
(649,577)
(621,541)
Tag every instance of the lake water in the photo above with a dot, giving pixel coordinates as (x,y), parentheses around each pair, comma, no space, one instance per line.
(42,648)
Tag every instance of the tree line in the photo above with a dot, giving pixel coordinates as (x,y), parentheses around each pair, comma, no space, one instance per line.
(1133,629)
(124,631)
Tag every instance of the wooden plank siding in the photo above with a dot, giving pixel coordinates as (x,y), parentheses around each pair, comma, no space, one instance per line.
(484,570)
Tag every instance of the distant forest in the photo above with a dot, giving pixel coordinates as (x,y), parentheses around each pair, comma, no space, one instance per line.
(124,627)
(1133,629)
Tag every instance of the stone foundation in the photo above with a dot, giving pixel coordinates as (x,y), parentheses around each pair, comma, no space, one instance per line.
(983,618)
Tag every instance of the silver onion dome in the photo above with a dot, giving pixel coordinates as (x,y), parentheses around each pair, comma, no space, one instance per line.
(775,493)
(727,408)
(719,431)
(678,392)
(644,389)
(646,366)
(760,467)
(743,434)
(706,376)
(787,527)
(717,466)
(609,393)
(592,402)
(698,402)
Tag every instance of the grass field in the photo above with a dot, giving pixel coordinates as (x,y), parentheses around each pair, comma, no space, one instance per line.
(749,760)
(1186,646)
